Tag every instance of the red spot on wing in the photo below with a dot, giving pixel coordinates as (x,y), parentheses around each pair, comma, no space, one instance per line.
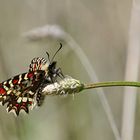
(30,75)
(2,91)
(34,67)
(23,103)
(7,84)
(15,81)
(30,102)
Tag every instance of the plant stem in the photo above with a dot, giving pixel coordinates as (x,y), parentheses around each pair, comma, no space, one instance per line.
(111,84)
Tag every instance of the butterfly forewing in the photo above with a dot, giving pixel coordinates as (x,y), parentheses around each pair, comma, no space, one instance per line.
(19,91)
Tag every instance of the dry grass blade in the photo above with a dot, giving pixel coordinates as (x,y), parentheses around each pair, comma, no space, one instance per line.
(133,54)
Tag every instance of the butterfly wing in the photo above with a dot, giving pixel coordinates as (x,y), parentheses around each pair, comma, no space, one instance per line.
(19,91)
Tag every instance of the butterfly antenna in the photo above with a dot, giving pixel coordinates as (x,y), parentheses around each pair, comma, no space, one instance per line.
(48,55)
(56,52)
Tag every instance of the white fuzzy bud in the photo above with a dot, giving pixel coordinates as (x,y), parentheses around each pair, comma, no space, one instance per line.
(66,86)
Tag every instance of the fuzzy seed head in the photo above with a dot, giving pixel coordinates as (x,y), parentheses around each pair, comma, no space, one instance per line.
(66,86)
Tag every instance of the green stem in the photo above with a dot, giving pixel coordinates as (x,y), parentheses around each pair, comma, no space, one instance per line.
(111,84)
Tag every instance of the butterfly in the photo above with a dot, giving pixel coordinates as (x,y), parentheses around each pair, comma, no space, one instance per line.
(24,91)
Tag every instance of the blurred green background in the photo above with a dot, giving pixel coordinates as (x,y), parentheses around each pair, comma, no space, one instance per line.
(100,28)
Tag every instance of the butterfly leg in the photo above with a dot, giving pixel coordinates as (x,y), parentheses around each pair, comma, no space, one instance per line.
(59,73)
(40,96)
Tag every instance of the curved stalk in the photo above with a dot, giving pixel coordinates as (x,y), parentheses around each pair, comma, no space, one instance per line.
(112,84)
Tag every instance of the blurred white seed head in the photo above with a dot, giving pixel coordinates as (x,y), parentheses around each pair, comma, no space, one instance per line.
(68,85)
(48,31)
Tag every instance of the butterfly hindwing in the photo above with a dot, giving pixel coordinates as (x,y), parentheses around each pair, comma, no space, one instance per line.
(19,91)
